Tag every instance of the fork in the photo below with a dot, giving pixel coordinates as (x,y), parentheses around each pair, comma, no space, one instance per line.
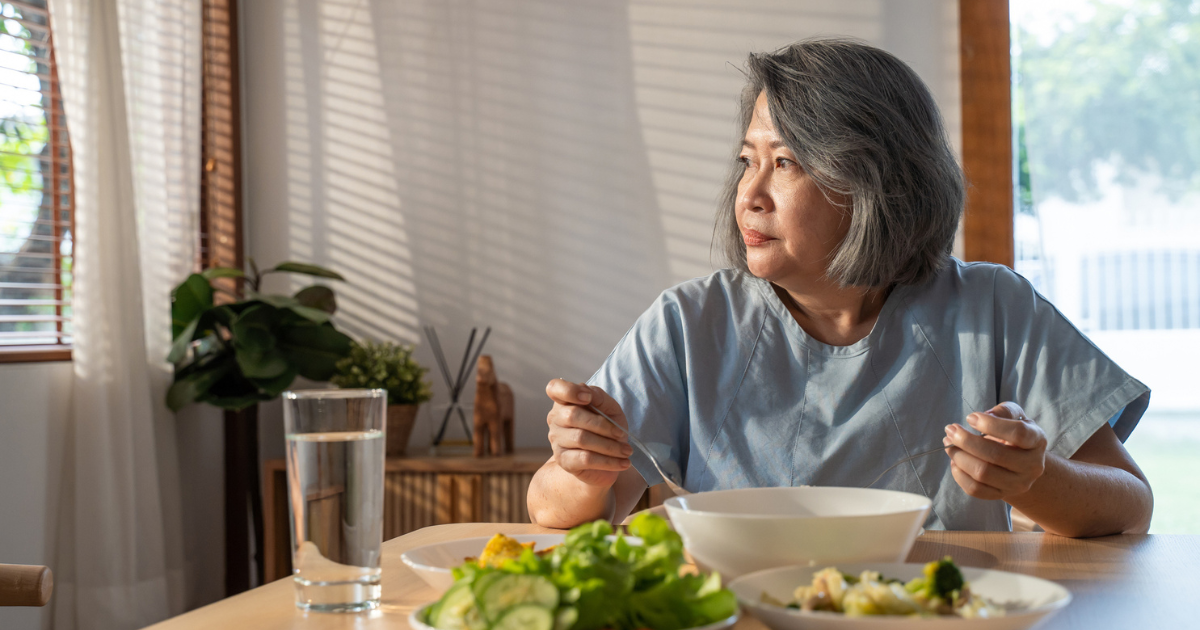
(676,488)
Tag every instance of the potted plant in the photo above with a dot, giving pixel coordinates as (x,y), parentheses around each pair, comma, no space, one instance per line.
(388,366)
(249,350)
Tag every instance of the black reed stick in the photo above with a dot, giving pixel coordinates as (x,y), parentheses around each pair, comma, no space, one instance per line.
(455,390)
(463,367)
(439,355)
(462,385)
(478,351)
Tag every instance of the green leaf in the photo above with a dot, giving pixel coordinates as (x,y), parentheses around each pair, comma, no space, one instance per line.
(652,529)
(311,314)
(222,272)
(257,356)
(314,350)
(182,341)
(252,329)
(195,385)
(278,301)
(192,297)
(262,365)
(224,315)
(233,403)
(273,387)
(307,269)
(318,296)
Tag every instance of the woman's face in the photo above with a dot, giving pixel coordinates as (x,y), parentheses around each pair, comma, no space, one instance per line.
(790,229)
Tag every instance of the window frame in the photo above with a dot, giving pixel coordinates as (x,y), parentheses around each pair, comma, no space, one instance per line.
(985,70)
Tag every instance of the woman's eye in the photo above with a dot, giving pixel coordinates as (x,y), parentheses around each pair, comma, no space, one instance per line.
(744,161)
(783,163)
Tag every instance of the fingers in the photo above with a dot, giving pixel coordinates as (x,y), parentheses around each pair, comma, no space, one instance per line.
(577,461)
(973,487)
(571,438)
(585,444)
(984,472)
(991,451)
(1007,422)
(565,392)
(1005,461)
(573,417)
(602,401)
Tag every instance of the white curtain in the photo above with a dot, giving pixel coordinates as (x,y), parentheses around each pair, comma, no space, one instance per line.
(130,77)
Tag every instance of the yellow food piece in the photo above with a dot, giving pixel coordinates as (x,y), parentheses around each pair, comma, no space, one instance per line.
(501,548)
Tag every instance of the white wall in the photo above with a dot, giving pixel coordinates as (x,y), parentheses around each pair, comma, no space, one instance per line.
(35,399)
(545,168)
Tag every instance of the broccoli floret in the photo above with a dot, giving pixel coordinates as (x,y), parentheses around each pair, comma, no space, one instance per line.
(943,578)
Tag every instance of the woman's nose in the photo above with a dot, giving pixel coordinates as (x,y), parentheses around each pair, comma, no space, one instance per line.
(755,196)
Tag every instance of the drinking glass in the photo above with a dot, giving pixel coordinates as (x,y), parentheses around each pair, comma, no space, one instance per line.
(335,452)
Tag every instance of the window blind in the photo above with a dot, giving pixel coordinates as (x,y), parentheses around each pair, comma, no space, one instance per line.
(36,209)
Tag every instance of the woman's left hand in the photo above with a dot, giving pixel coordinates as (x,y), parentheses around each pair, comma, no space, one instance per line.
(1003,462)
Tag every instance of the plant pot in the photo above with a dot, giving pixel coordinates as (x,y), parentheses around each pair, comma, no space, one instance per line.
(400,421)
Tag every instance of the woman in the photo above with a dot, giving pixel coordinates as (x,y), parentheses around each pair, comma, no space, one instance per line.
(845,337)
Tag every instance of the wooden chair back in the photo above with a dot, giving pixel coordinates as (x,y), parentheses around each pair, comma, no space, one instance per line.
(25,585)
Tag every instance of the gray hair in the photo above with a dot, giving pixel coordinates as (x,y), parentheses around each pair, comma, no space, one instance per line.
(864,126)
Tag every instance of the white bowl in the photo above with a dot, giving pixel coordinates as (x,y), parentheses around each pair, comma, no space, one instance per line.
(740,531)
(433,562)
(417,615)
(1027,600)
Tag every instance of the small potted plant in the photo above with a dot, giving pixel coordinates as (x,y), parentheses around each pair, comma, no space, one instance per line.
(388,366)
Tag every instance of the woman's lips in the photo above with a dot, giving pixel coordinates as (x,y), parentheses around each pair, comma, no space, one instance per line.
(754,238)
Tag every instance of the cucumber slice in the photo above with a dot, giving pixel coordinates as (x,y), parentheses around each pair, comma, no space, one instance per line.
(452,612)
(513,590)
(482,582)
(525,617)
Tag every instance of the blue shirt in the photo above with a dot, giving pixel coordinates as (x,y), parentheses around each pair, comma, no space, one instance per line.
(718,378)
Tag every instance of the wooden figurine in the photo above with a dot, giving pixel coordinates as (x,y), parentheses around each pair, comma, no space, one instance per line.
(504,396)
(487,434)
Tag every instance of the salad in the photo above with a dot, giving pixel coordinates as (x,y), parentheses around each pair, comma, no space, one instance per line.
(589,582)
(940,591)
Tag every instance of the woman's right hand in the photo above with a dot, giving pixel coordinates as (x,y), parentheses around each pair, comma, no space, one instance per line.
(586,445)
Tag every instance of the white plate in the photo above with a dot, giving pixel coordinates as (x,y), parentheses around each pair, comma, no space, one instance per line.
(1028,600)
(433,562)
(414,620)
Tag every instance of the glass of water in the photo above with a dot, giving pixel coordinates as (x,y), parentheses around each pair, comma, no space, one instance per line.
(335,449)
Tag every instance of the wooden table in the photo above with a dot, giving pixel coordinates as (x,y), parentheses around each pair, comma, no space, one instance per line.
(1117,582)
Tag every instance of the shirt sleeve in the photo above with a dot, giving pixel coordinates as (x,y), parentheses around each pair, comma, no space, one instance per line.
(645,374)
(1058,376)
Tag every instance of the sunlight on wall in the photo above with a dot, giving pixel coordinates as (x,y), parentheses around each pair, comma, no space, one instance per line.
(519,150)
(344,204)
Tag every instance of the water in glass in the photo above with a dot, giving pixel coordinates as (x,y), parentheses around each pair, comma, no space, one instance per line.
(335,456)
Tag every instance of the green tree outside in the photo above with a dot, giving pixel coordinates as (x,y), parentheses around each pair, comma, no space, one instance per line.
(1122,85)
(26,235)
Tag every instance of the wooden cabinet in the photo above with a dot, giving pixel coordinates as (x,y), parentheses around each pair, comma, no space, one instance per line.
(418,492)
